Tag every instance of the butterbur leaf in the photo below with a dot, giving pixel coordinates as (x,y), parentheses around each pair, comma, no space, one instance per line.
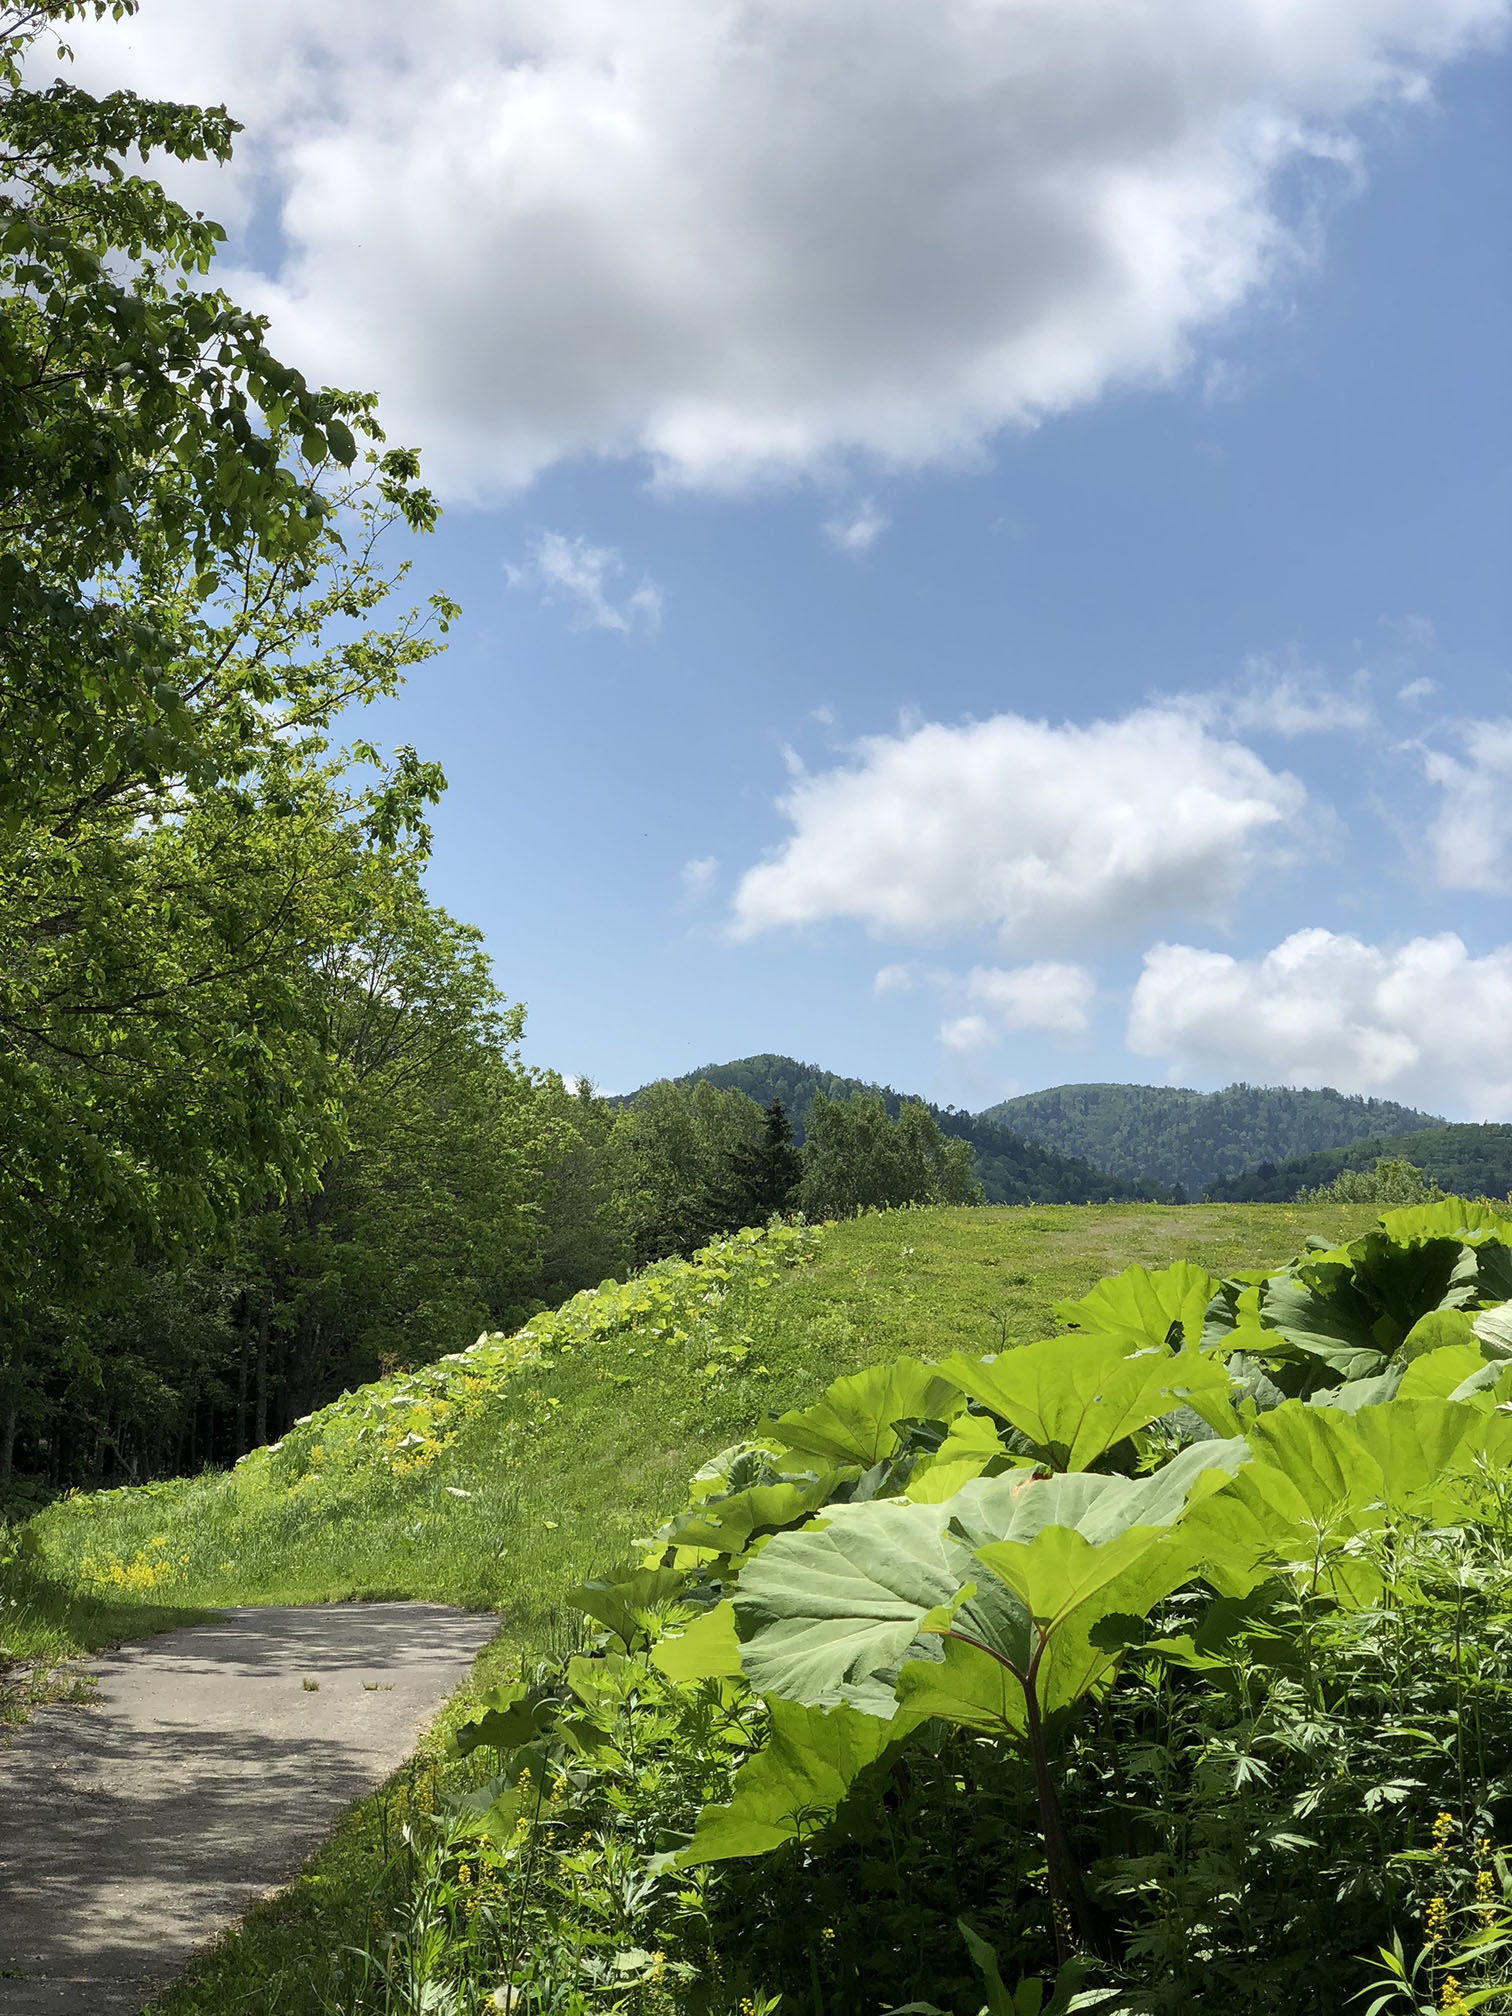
(973,1448)
(1435,1374)
(1074,1397)
(1320,1312)
(1493,1330)
(1440,1327)
(793,1784)
(856,1421)
(705,1649)
(624,1603)
(1146,1303)
(1448,1218)
(511,1716)
(728,1525)
(831,1610)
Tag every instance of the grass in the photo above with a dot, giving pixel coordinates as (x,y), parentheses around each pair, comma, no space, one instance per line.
(497,1480)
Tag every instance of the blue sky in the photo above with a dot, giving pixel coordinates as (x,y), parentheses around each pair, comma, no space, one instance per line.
(978,588)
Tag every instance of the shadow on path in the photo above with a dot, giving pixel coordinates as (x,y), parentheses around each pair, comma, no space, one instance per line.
(132,1831)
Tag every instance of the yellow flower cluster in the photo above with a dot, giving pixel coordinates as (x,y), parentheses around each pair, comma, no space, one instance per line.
(108,1574)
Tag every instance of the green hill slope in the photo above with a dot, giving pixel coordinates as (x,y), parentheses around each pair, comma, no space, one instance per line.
(1165,1134)
(1468,1160)
(1010,1169)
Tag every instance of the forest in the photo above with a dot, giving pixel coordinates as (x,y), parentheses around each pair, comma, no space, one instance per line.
(1166,1134)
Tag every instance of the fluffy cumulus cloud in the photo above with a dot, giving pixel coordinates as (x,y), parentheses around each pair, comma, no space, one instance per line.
(1425,1021)
(752,237)
(1045,835)
(1471,834)
(1007,1001)
(584,577)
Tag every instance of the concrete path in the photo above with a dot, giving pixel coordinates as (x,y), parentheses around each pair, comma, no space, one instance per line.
(133,1831)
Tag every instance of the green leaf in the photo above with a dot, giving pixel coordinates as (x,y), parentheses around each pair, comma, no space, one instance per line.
(705,1649)
(973,1448)
(626,1603)
(856,1421)
(792,1785)
(827,1613)
(1438,1329)
(1146,1303)
(728,1525)
(834,1611)
(1074,1397)
(1434,1374)
(1449,1218)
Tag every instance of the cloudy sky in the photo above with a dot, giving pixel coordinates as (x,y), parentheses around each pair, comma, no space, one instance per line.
(982,524)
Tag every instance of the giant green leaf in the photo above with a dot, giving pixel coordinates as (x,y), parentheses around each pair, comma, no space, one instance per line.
(728,1525)
(1320,1477)
(973,1448)
(1074,1397)
(1448,1218)
(857,1419)
(705,1649)
(627,1603)
(1319,1311)
(792,1785)
(827,1613)
(1146,1303)
(1493,1327)
(833,1611)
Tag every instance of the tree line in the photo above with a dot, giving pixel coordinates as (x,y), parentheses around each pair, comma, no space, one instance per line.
(264,1127)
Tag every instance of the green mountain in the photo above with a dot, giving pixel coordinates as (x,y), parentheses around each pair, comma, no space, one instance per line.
(1162,1134)
(1010,1169)
(1469,1160)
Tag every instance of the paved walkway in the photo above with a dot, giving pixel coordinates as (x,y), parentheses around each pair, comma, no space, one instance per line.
(133,1831)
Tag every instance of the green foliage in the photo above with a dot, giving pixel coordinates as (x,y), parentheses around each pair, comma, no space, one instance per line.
(1010,1169)
(1466,1160)
(1393,1180)
(1168,1649)
(1162,1134)
(856,1157)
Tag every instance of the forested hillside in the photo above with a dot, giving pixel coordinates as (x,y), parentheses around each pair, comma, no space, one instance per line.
(1469,1160)
(1010,1169)
(1166,1134)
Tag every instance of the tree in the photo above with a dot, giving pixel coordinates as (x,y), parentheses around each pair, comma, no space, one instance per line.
(761,1178)
(855,1158)
(671,1150)
(182,520)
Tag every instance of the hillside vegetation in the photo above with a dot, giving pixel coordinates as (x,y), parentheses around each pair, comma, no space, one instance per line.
(1468,1160)
(1010,1169)
(1164,1134)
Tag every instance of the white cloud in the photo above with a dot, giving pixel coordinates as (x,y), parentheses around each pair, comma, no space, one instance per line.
(698,878)
(1010,1000)
(1285,699)
(571,569)
(1417,689)
(895,979)
(860,531)
(1425,1022)
(1047,995)
(1044,834)
(1471,837)
(750,237)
